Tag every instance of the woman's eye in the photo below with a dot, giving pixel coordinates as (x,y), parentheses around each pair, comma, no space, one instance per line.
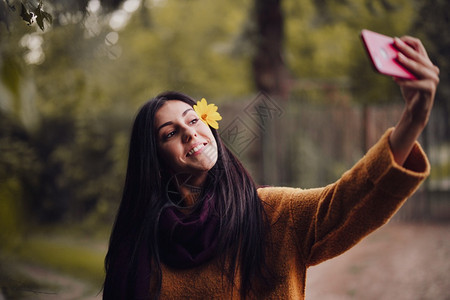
(170,134)
(194,121)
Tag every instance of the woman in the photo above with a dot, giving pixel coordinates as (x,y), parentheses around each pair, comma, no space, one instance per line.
(192,223)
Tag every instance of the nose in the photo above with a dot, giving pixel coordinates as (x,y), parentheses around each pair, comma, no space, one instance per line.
(188,133)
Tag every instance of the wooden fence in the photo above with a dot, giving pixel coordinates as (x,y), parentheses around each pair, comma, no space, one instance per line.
(305,145)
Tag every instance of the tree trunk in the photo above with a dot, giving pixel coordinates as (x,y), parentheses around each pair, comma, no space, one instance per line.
(269,70)
(271,77)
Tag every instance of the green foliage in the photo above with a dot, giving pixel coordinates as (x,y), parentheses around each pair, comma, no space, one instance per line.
(68,94)
(29,11)
(35,14)
(322,42)
(439,172)
(32,11)
(11,213)
(194,53)
(432,26)
(85,99)
(12,72)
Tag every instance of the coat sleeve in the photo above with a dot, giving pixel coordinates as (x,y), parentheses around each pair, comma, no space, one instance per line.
(331,220)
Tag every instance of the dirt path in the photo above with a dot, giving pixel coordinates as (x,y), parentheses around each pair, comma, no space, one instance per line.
(399,261)
(56,286)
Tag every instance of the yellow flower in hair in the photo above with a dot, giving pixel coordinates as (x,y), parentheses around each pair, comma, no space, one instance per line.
(208,113)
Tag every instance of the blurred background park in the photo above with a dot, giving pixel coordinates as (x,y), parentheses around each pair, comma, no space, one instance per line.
(300,100)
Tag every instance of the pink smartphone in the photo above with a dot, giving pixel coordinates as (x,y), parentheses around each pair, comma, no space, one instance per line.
(383,54)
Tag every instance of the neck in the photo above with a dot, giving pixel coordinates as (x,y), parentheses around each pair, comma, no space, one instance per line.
(196,180)
(190,187)
(190,194)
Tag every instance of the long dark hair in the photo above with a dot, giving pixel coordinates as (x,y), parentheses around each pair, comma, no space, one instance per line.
(242,228)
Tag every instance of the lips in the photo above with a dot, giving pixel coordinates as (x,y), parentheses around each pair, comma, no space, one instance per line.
(196,149)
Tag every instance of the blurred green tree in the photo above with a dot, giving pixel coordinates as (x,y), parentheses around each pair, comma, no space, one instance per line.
(68,92)
(432,24)
(326,55)
(71,92)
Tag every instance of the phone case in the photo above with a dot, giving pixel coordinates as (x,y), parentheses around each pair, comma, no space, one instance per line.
(383,54)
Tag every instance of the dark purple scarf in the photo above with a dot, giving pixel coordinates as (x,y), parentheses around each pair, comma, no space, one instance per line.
(188,240)
(185,241)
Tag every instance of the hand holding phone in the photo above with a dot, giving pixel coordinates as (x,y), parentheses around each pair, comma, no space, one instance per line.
(383,54)
(405,58)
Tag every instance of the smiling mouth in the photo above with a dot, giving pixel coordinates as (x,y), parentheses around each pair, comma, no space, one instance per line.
(196,149)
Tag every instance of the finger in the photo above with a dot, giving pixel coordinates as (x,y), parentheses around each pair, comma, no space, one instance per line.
(427,86)
(415,43)
(427,71)
(414,51)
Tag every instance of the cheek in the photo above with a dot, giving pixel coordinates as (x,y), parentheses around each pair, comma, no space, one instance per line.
(206,132)
(169,154)
(213,152)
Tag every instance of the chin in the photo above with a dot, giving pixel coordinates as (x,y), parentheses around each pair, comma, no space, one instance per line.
(208,167)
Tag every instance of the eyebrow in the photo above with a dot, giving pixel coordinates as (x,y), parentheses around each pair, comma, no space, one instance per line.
(170,122)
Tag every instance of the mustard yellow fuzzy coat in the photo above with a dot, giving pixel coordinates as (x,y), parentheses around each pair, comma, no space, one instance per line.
(310,226)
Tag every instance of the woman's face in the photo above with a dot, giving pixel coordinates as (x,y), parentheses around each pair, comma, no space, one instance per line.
(185,143)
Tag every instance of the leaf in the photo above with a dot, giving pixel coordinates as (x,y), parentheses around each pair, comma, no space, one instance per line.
(47,17)
(26,15)
(42,15)
(39,18)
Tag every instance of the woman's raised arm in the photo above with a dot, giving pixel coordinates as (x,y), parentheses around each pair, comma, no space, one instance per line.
(418,95)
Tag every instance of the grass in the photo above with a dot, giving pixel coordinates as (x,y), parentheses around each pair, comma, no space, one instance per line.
(72,258)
